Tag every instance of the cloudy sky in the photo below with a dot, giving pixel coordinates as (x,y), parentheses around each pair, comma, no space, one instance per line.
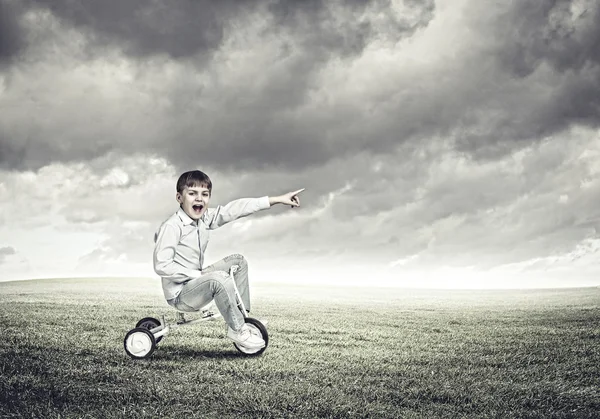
(441,143)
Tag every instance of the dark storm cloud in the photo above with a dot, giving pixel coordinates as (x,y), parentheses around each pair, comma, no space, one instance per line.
(183,28)
(254,131)
(522,72)
(536,40)
(31,148)
(177,28)
(12,156)
(550,31)
(279,126)
(11,35)
(321,31)
(532,73)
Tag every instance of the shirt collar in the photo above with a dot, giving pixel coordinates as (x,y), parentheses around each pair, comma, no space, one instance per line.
(185,219)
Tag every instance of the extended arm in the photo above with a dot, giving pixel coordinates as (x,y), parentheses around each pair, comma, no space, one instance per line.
(216,217)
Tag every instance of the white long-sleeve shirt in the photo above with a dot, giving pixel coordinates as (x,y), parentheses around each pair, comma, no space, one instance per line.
(180,242)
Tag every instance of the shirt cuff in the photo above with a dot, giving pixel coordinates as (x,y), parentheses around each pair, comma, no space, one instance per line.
(263,203)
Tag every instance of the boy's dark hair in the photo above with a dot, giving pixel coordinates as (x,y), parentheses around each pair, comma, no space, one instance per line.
(193,178)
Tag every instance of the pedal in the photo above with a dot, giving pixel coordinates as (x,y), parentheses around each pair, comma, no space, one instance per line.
(181,318)
(209,315)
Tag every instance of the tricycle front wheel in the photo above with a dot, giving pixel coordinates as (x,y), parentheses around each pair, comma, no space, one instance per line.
(257,328)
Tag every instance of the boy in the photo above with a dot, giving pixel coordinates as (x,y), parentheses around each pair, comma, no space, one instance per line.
(181,242)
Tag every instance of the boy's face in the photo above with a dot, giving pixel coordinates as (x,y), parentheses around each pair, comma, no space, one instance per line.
(194,201)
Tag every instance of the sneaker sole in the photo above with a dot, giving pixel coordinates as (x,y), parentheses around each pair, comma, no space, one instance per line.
(245,344)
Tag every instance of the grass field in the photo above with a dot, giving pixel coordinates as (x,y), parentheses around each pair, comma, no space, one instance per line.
(333,353)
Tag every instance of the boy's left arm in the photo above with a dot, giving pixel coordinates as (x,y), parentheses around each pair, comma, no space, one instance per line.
(221,215)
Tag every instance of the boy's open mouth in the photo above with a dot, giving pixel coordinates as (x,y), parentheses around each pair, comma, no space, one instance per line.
(197,208)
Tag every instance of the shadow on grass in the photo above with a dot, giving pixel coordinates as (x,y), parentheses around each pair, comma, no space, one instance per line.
(172,354)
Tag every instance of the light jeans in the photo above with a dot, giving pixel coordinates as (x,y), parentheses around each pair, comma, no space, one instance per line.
(216,283)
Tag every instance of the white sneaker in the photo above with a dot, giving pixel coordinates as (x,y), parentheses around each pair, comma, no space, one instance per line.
(246,338)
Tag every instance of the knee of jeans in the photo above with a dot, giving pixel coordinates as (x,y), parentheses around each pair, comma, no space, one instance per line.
(223,282)
(241,260)
(221,277)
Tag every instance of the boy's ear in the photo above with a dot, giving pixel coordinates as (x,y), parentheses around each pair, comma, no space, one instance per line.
(178,197)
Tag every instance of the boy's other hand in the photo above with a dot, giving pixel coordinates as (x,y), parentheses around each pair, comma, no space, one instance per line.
(290,198)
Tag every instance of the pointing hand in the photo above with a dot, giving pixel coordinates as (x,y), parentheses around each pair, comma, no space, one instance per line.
(290,198)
